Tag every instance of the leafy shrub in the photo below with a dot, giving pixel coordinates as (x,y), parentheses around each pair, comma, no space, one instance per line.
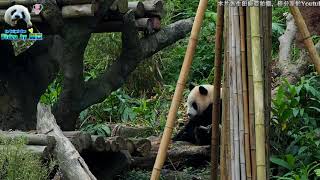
(296,112)
(17,163)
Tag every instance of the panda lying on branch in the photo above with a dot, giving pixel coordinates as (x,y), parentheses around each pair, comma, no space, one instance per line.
(199,110)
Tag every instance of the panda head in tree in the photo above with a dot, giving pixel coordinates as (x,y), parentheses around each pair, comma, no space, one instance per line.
(17,14)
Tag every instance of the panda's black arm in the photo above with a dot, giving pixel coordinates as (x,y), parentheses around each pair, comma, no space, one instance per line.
(186,133)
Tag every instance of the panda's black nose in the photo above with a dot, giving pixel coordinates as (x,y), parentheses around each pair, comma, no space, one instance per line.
(17,16)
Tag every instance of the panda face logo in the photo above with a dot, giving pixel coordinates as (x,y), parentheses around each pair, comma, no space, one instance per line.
(15,13)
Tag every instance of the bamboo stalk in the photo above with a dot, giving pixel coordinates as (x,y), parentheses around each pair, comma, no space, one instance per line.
(245,93)
(258,93)
(227,97)
(266,19)
(239,97)
(236,139)
(176,100)
(216,94)
(231,100)
(250,98)
(224,129)
(307,40)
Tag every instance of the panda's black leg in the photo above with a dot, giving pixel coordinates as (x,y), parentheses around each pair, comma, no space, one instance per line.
(186,134)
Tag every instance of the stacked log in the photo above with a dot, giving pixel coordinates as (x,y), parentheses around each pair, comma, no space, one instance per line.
(37,144)
(147,13)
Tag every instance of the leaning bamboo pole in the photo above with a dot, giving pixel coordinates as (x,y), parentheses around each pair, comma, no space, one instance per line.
(307,40)
(250,98)
(176,100)
(258,93)
(216,94)
(245,93)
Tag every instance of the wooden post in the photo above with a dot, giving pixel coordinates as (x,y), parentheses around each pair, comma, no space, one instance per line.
(307,40)
(258,93)
(176,100)
(216,93)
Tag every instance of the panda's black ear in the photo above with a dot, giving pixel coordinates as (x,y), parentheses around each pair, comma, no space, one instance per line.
(203,90)
(191,86)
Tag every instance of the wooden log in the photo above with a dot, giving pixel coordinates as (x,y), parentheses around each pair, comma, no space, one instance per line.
(154,8)
(41,151)
(180,155)
(8,3)
(71,163)
(31,139)
(108,146)
(79,139)
(142,147)
(130,146)
(156,23)
(120,141)
(74,11)
(145,24)
(98,143)
(114,147)
(120,6)
(127,131)
(137,7)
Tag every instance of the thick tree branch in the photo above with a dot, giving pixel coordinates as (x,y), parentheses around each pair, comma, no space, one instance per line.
(72,47)
(97,89)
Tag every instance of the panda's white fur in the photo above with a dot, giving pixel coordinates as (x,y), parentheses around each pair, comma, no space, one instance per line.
(16,12)
(202,101)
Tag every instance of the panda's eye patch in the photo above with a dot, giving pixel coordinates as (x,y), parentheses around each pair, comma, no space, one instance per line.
(12,12)
(23,15)
(195,106)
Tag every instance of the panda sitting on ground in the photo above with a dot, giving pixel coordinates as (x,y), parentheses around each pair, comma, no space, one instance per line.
(199,110)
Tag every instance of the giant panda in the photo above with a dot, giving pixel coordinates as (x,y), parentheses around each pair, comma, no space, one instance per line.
(15,13)
(199,110)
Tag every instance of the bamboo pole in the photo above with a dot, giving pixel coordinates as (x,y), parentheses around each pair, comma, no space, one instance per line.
(245,93)
(176,100)
(224,129)
(266,18)
(239,96)
(216,94)
(250,98)
(236,55)
(227,97)
(307,40)
(231,113)
(258,93)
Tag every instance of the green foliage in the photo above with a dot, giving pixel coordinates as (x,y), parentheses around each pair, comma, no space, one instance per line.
(52,93)
(17,163)
(121,107)
(296,125)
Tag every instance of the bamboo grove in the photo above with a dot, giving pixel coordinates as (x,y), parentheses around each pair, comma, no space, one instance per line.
(246,93)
